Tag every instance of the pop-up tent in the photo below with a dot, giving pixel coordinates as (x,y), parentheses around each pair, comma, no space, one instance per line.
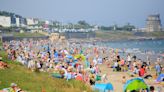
(135,84)
(160,78)
(103,87)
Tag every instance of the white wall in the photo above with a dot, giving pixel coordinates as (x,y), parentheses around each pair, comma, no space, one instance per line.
(17,22)
(30,21)
(5,21)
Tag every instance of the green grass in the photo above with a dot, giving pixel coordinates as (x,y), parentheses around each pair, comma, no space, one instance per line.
(156,34)
(124,35)
(35,81)
(25,34)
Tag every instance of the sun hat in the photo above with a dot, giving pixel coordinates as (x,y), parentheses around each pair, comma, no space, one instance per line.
(13,85)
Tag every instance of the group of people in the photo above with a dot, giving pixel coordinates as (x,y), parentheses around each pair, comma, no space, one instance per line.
(136,66)
(73,61)
(3,65)
(13,88)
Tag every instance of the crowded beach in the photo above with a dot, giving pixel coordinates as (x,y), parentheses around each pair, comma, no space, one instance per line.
(101,68)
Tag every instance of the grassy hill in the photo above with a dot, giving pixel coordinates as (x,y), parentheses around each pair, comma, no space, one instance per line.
(25,34)
(35,81)
(124,35)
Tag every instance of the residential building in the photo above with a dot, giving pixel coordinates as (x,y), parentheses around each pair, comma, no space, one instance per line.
(22,22)
(15,21)
(30,21)
(5,21)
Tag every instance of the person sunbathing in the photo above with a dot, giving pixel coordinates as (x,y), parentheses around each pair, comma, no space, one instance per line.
(3,65)
(123,79)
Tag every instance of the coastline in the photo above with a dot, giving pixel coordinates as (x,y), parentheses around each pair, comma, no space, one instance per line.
(94,40)
(128,39)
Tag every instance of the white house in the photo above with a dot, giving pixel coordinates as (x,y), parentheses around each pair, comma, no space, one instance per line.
(17,22)
(5,21)
(30,21)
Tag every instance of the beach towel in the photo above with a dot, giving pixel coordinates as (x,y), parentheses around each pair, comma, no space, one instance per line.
(160,78)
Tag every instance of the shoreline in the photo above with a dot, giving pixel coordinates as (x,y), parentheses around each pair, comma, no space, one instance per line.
(129,39)
(93,40)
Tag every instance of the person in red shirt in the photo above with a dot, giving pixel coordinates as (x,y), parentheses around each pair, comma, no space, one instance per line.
(142,71)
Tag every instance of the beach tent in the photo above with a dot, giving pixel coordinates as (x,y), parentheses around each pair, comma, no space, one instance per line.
(160,78)
(135,84)
(101,87)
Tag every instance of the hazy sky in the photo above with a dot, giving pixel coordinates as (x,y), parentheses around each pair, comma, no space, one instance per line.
(101,12)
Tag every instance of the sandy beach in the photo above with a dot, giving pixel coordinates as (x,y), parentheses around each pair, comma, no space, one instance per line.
(116,78)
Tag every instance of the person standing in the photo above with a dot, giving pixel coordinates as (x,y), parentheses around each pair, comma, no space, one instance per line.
(158,68)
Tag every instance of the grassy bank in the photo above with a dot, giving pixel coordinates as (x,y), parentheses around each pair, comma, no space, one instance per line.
(35,82)
(155,34)
(124,35)
(25,34)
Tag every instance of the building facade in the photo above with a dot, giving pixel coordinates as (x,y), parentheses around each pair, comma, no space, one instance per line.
(22,22)
(153,23)
(15,21)
(30,21)
(5,21)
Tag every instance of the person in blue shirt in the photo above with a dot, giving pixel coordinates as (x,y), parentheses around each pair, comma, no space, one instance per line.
(87,63)
(158,69)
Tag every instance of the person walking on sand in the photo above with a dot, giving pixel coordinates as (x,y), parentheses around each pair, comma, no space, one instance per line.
(158,68)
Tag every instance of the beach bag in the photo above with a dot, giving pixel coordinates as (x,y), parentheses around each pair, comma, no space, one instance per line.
(56,75)
(98,77)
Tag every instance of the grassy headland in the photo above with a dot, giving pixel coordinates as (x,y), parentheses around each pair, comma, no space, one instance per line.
(25,34)
(126,35)
(34,81)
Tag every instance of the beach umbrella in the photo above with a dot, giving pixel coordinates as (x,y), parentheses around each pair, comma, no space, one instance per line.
(135,84)
(160,78)
(80,56)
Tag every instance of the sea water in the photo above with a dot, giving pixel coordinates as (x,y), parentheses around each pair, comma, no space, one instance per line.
(153,48)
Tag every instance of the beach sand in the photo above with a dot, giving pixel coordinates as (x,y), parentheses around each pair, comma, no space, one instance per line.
(116,78)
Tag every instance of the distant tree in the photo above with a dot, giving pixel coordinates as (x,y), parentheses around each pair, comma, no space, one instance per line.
(83,24)
(105,28)
(128,27)
(70,25)
(4,13)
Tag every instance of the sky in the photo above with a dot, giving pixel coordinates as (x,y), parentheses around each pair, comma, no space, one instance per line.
(99,12)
